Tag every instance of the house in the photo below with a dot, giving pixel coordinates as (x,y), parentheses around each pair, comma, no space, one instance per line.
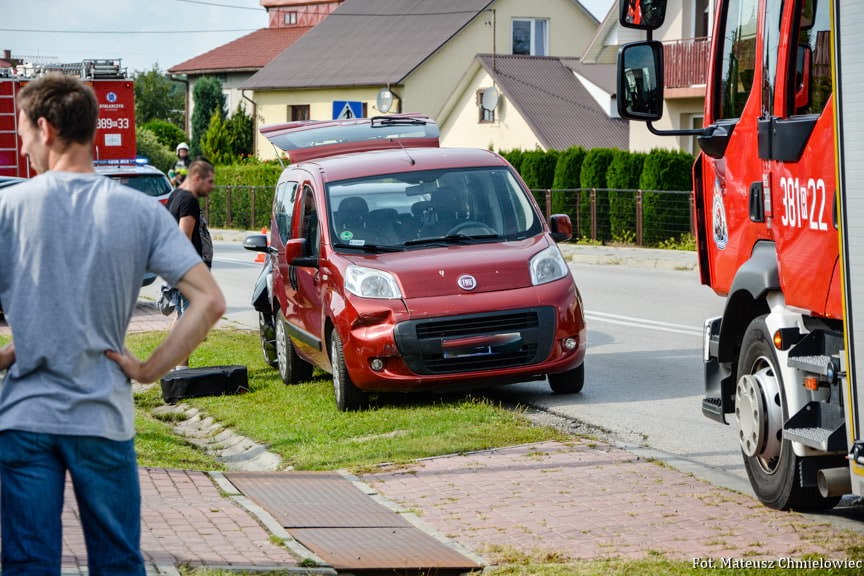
(505,102)
(372,57)
(233,63)
(686,37)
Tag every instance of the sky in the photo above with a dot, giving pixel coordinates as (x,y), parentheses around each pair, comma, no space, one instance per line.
(142,33)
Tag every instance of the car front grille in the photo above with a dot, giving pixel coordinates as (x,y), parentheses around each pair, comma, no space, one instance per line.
(477,342)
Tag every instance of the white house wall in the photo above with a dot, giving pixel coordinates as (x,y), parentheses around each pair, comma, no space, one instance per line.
(463,129)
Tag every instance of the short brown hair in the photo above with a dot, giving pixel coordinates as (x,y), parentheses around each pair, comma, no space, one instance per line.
(201,168)
(67,104)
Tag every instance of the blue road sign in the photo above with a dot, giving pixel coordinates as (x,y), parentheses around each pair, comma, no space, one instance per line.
(343,109)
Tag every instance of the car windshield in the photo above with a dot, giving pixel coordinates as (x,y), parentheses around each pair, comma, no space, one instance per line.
(418,209)
(150,184)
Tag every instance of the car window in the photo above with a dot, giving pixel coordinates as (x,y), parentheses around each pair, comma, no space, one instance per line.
(395,209)
(150,184)
(283,208)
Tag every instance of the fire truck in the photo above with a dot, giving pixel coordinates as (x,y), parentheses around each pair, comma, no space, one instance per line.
(779,206)
(115,132)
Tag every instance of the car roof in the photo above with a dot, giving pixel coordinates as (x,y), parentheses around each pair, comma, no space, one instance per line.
(321,138)
(10,180)
(372,163)
(128,169)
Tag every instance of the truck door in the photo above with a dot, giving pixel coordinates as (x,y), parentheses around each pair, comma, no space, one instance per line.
(728,170)
(796,137)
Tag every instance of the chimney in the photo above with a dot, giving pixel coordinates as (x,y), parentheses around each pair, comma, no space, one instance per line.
(7,54)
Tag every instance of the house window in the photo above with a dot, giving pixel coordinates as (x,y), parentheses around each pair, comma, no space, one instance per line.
(530,37)
(487,115)
(290,18)
(298,112)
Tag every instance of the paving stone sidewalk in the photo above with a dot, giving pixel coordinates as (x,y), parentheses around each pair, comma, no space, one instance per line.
(581,500)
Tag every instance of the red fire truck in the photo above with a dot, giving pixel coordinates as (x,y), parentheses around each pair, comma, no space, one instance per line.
(115,133)
(770,217)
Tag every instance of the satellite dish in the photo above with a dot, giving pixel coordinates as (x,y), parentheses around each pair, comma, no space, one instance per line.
(384,101)
(490,98)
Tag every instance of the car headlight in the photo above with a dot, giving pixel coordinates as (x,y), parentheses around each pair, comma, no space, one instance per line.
(547,266)
(371,283)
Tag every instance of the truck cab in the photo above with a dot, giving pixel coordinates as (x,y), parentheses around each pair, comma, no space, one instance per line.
(767,229)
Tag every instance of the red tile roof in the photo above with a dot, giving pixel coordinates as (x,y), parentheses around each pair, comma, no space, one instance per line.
(250,52)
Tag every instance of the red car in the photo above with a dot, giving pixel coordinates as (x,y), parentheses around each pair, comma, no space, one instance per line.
(397,265)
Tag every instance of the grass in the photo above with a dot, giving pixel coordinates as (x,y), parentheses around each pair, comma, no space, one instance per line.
(302,425)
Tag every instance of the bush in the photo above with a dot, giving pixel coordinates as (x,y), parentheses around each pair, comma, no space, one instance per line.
(256,180)
(538,171)
(567,171)
(514,157)
(666,215)
(593,175)
(148,145)
(167,133)
(623,174)
(216,143)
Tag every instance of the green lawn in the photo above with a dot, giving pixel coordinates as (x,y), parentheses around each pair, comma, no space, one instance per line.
(302,425)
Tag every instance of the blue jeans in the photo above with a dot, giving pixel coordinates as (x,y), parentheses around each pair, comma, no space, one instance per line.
(32,480)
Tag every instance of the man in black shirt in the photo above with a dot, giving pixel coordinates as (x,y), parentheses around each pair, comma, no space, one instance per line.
(184,204)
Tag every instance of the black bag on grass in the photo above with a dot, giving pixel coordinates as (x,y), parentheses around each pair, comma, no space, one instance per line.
(204,381)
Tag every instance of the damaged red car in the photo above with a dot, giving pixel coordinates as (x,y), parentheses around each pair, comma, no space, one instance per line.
(397,265)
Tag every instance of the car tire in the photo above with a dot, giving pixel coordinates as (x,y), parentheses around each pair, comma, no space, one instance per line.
(267,334)
(348,396)
(569,382)
(292,368)
(773,468)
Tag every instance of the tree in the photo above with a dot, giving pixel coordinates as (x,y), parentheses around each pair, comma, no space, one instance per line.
(209,99)
(157,97)
(216,142)
(240,127)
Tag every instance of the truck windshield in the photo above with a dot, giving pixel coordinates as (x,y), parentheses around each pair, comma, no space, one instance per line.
(418,209)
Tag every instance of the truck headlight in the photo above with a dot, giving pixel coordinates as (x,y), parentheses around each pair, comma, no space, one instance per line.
(547,266)
(371,283)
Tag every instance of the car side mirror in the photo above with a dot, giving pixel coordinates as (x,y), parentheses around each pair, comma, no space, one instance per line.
(295,254)
(642,14)
(561,227)
(255,243)
(640,81)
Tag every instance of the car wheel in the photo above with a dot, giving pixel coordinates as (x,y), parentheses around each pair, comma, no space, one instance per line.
(348,396)
(760,408)
(292,368)
(570,382)
(267,333)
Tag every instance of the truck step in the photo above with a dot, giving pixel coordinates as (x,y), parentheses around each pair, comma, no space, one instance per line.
(814,364)
(817,426)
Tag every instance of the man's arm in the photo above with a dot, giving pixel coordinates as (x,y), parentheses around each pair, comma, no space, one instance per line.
(206,306)
(7,356)
(187,225)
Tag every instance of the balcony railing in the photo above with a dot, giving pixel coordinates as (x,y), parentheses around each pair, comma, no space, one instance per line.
(685,62)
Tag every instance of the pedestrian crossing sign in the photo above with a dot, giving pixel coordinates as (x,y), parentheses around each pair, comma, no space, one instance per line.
(347,109)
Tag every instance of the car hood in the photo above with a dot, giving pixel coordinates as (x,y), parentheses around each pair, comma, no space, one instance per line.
(437,271)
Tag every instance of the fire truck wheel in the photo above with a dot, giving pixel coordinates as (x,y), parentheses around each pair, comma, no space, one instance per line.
(760,408)
(348,396)
(292,368)
(569,382)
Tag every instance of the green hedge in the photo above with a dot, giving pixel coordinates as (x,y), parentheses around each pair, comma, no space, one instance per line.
(167,133)
(623,174)
(593,175)
(665,216)
(538,171)
(567,172)
(240,183)
(148,146)
(514,157)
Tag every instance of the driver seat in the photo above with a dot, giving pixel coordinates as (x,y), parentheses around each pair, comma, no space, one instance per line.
(449,207)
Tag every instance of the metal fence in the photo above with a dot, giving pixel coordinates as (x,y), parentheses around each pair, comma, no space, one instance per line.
(636,217)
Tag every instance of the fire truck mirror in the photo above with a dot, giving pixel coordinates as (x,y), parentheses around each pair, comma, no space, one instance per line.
(642,14)
(640,81)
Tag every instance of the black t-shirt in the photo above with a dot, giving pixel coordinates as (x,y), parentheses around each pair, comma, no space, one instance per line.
(183,203)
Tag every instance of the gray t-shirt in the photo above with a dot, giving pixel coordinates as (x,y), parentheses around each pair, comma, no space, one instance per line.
(73,251)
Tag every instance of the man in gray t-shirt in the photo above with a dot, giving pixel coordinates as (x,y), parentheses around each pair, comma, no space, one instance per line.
(73,249)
